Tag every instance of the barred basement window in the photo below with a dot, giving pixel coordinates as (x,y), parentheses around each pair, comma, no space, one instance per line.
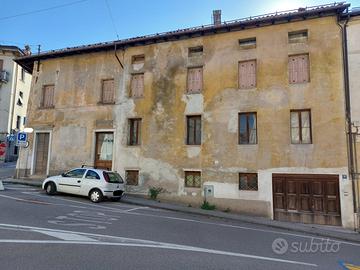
(248,181)
(192,179)
(132,177)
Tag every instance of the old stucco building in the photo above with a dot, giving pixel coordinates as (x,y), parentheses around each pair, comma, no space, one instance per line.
(14,94)
(251,110)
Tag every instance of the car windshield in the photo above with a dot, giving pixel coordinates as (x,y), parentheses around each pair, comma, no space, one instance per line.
(114,177)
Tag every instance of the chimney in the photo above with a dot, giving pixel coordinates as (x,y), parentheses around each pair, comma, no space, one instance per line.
(27,50)
(217,17)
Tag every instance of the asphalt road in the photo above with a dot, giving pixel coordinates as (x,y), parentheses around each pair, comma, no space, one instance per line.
(65,232)
(7,169)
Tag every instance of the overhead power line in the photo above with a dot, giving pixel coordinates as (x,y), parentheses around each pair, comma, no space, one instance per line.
(41,10)
(112,18)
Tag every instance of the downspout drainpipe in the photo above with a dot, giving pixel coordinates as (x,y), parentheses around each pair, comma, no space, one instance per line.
(348,108)
(118,57)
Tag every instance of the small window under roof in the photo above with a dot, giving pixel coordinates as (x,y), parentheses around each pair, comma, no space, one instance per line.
(298,36)
(195,51)
(247,43)
(138,59)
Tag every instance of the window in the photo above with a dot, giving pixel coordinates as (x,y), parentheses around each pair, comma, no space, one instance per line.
(248,181)
(192,179)
(195,51)
(21,94)
(1,64)
(193,130)
(22,76)
(194,80)
(18,122)
(77,173)
(16,150)
(132,177)
(107,91)
(137,85)
(48,96)
(298,36)
(247,43)
(300,126)
(24,121)
(247,74)
(299,68)
(138,59)
(134,131)
(247,128)
(92,175)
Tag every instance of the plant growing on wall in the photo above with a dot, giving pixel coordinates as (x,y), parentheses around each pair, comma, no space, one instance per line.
(207,206)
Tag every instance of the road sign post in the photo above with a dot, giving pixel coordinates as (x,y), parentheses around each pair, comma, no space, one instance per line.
(21,139)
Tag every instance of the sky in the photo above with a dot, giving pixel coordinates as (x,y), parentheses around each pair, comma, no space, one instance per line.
(89,21)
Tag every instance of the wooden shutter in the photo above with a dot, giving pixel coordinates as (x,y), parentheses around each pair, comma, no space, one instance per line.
(299,68)
(247,74)
(48,96)
(108,91)
(1,64)
(137,85)
(194,80)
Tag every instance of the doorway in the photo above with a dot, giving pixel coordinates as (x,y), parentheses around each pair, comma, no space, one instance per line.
(104,150)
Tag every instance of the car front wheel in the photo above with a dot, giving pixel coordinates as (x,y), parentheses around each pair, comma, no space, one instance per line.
(50,188)
(95,196)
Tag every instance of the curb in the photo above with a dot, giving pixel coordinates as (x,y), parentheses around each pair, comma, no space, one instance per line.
(294,227)
(22,182)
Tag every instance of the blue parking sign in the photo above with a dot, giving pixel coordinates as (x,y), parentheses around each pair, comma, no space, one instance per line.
(21,139)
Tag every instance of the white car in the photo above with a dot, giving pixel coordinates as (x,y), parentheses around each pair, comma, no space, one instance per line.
(94,183)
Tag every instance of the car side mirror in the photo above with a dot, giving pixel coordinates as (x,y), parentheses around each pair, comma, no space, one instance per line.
(63,174)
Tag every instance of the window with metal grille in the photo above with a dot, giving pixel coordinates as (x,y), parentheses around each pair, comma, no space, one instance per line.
(300,123)
(194,80)
(18,122)
(137,85)
(193,179)
(247,128)
(298,36)
(134,131)
(48,96)
(193,130)
(107,91)
(248,181)
(138,59)
(299,71)
(132,177)
(247,74)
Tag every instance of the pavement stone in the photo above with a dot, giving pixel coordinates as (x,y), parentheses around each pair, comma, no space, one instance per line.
(338,233)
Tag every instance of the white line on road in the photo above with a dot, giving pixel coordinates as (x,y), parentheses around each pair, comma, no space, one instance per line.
(131,242)
(66,236)
(136,208)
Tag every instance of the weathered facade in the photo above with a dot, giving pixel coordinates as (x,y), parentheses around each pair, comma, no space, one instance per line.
(14,94)
(263,169)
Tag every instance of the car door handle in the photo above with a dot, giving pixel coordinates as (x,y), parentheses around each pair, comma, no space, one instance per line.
(79,181)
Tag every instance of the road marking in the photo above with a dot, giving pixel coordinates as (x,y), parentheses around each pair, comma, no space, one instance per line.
(24,200)
(132,242)
(120,211)
(66,236)
(137,208)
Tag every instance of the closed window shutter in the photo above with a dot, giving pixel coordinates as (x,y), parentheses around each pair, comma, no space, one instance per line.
(194,80)
(299,68)
(48,96)
(137,85)
(108,91)
(247,74)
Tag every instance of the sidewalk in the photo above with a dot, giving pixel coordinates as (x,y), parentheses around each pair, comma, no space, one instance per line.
(316,230)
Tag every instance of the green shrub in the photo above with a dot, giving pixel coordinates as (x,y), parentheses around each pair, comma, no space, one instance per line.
(207,206)
(155,191)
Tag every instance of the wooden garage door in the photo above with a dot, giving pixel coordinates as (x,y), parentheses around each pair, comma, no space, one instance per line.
(42,149)
(307,198)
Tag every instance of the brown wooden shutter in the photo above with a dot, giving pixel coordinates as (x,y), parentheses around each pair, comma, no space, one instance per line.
(1,64)
(137,85)
(194,80)
(108,91)
(299,68)
(247,74)
(48,96)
